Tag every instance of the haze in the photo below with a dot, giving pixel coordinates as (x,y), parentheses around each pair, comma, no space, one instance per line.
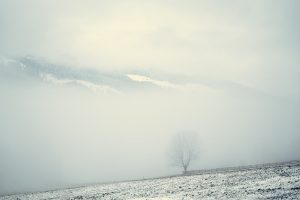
(226,70)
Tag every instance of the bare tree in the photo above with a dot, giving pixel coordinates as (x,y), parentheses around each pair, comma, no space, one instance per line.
(183,150)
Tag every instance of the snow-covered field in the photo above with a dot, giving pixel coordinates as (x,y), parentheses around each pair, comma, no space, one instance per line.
(274,181)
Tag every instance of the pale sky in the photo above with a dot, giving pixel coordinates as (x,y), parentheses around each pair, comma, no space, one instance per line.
(254,43)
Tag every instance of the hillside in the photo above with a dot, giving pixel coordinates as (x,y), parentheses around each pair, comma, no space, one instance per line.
(268,181)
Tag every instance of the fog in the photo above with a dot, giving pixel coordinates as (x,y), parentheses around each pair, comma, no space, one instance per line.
(230,76)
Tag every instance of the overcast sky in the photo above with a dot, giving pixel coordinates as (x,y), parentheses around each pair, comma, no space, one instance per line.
(248,50)
(251,42)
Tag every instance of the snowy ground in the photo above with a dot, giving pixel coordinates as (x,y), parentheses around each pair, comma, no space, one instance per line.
(276,181)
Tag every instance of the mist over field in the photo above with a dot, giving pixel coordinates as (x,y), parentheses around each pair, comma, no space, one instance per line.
(94,91)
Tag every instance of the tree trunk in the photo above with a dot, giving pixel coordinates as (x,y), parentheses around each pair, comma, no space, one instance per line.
(184,169)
